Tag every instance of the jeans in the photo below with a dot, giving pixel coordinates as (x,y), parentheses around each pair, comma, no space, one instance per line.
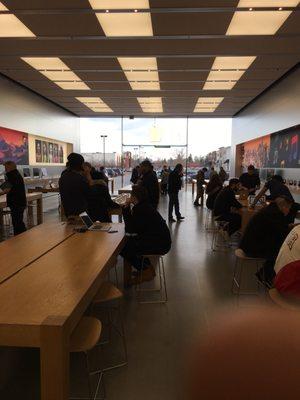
(17,219)
(174,203)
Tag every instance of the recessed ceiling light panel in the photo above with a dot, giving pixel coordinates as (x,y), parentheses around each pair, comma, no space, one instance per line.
(11,26)
(210,85)
(268,3)
(233,62)
(126,24)
(119,4)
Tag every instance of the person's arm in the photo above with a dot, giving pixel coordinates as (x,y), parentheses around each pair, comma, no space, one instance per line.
(5,187)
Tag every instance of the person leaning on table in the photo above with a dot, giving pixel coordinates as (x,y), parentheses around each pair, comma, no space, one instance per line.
(14,189)
(250,180)
(277,188)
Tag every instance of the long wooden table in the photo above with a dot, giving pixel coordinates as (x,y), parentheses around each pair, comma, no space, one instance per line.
(31,198)
(20,251)
(41,305)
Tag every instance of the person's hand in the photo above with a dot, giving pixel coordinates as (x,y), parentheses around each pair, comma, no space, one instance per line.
(252,207)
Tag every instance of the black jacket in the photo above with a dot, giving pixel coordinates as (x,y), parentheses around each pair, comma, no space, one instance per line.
(224,201)
(150,182)
(175,182)
(265,233)
(99,203)
(16,197)
(74,191)
(148,224)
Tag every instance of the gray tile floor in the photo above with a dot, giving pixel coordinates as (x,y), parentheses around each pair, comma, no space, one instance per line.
(159,336)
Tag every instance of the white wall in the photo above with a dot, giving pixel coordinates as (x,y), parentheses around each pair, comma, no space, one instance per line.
(277,109)
(25,111)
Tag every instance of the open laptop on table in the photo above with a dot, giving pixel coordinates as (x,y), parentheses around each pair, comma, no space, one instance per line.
(92,226)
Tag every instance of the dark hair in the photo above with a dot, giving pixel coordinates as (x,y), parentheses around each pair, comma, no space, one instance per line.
(233,181)
(140,192)
(178,167)
(75,161)
(204,169)
(277,178)
(251,168)
(283,200)
(146,163)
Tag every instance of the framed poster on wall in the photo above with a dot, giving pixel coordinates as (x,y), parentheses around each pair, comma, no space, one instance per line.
(14,146)
(48,152)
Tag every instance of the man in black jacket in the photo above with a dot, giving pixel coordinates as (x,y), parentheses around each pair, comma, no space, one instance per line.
(150,182)
(146,230)
(227,207)
(265,233)
(74,187)
(174,185)
(250,180)
(14,189)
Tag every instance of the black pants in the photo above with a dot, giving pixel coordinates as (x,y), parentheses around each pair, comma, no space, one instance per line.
(290,218)
(136,247)
(174,203)
(235,221)
(17,219)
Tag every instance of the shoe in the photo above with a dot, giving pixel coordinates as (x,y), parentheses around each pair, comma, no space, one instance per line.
(196,204)
(180,218)
(147,275)
(172,220)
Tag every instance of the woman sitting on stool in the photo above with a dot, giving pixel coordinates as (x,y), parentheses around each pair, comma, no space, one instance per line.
(146,231)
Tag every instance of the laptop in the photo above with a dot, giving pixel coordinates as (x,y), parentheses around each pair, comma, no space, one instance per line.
(91,226)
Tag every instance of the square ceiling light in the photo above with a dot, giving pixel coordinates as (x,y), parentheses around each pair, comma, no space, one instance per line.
(225,75)
(151,104)
(11,26)
(208,104)
(56,71)
(212,85)
(259,22)
(141,72)
(119,4)
(126,23)
(233,62)
(95,104)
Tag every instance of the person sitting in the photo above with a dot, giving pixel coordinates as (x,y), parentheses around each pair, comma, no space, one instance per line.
(264,235)
(164,180)
(200,190)
(250,180)
(135,175)
(226,207)
(287,266)
(147,232)
(213,188)
(150,182)
(14,189)
(277,188)
(74,187)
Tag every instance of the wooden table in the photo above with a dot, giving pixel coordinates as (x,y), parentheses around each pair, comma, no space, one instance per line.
(120,199)
(247,213)
(125,189)
(21,250)
(31,198)
(41,305)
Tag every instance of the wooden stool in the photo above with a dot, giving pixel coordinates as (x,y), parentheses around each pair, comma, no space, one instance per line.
(283,302)
(157,261)
(240,261)
(84,338)
(109,297)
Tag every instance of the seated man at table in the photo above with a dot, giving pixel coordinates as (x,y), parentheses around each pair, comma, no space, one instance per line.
(287,266)
(226,206)
(74,187)
(264,235)
(147,232)
(250,180)
(14,189)
(277,188)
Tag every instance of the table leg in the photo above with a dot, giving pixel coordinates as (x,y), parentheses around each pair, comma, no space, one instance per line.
(113,186)
(127,273)
(54,360)
(1,224)
(30,214)
(120,218)
(39,211)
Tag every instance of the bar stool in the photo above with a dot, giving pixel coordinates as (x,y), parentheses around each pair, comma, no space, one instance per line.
(157,261)
(220,237)
(240,261)
(7,222)
(109,297)
(84,338)
(283,302)
(208,219)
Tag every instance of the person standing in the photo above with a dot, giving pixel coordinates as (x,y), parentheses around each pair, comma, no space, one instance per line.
(14,189)
(223,175)
(200,189)
(164,179)
(74,187)
(150,182)
(174,185)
